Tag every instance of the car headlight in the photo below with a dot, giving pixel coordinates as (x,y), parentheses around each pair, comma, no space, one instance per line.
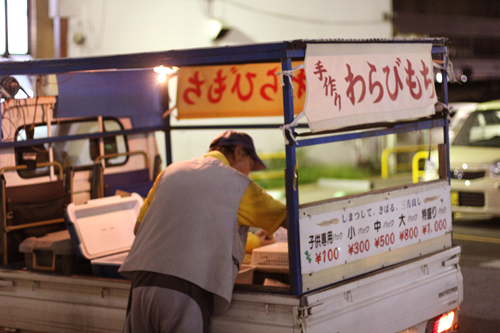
(495,169)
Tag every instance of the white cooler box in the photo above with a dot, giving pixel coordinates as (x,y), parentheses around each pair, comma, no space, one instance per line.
(103,231)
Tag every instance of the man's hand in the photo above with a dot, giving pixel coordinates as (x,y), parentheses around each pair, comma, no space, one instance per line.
(265,238)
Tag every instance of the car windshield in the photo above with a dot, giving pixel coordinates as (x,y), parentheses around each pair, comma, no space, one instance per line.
(481,129)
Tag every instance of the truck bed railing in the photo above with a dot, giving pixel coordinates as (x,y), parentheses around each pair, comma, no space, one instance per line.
(137,181)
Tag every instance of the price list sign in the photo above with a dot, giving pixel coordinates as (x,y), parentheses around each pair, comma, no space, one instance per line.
(340,232)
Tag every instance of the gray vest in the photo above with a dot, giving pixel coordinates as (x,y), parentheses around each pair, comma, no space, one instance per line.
(191,227)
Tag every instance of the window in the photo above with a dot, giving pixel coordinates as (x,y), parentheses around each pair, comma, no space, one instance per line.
(80,154)
(481,129)
(14,37)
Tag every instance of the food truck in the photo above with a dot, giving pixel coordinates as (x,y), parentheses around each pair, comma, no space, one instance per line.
(78,158)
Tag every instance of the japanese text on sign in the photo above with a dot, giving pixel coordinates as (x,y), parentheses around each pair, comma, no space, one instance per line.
(349,84)
(235,91)
(340,236)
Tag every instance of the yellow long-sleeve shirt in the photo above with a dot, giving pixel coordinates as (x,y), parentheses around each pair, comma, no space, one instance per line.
(257,208)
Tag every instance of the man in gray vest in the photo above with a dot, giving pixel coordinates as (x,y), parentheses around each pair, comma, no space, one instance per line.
(191,236)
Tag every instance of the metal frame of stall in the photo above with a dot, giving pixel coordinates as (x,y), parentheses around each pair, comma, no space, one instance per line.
(283,52)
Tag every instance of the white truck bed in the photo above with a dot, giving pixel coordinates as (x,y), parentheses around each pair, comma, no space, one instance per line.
(394,299)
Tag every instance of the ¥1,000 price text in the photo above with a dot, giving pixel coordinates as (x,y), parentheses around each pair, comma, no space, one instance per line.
(438,226)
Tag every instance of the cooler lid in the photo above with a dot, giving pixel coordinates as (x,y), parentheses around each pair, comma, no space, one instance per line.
(105,226)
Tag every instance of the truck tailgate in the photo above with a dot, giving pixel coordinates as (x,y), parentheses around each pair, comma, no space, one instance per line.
(393,300)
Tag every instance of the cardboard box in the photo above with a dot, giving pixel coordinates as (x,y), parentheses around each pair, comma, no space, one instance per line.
(245,274)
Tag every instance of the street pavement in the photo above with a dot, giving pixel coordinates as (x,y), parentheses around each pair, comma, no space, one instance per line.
(480,266)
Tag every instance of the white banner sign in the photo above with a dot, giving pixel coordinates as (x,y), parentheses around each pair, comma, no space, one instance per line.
(350,84)
(384,222)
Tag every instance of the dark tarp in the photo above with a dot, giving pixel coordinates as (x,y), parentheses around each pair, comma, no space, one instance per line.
(129,93)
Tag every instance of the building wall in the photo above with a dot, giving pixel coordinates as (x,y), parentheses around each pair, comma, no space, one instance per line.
(473,30)
(126,26)
(103,27)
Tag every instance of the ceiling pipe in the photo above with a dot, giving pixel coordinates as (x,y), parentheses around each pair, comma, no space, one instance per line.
(55,15)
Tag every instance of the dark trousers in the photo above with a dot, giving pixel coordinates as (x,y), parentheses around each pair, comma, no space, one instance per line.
(203,298)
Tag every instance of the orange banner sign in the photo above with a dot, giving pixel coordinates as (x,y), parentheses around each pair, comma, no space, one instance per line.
(251,90)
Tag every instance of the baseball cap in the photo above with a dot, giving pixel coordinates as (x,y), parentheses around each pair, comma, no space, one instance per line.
(233,138)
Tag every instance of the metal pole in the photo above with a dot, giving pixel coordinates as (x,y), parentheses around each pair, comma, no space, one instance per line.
(167,128)
(446,113)
(292,195)
(57,37)
(55,15)
(6,53)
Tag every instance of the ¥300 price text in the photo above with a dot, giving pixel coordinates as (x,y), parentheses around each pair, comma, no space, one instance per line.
(359,247)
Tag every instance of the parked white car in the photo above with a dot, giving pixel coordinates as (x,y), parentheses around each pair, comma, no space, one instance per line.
(459,111)
(475,160)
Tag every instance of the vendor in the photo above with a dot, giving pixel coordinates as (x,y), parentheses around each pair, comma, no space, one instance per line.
(191,236)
